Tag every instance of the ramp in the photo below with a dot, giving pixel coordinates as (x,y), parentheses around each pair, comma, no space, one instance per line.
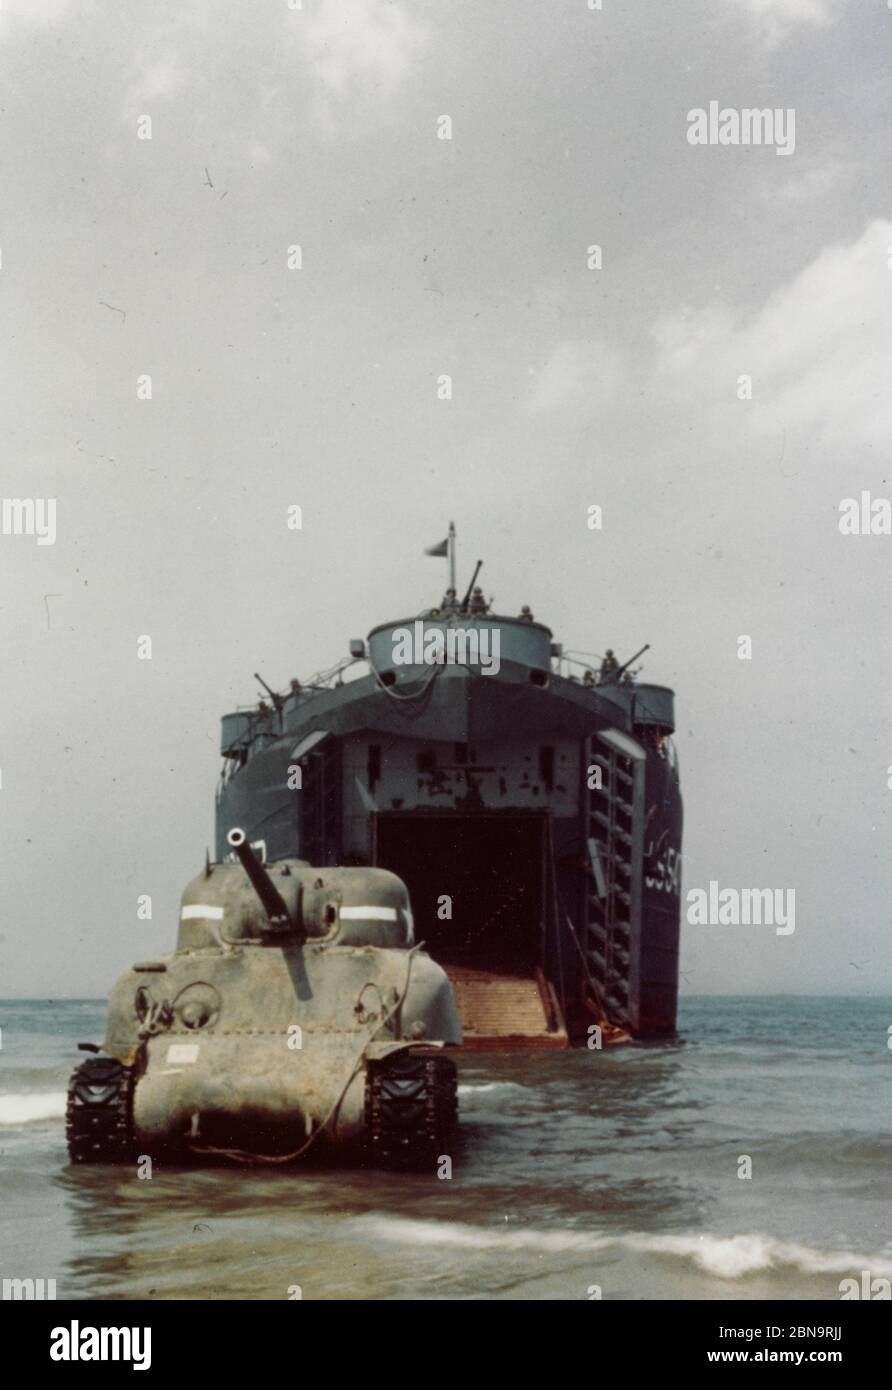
(506,1012)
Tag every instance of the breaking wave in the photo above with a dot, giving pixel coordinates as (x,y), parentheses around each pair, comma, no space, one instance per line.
(727,1257)
(30,1109)
(469,1089)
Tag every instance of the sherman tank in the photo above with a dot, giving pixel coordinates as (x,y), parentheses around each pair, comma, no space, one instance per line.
(297,1011)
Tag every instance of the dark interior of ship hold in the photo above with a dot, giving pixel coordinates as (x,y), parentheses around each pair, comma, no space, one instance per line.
(476,883)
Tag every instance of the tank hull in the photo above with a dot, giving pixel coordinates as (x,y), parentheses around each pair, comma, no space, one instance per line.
(233,1094)
(260,1052)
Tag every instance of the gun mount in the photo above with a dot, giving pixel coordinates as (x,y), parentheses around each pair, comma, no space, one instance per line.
(280,920)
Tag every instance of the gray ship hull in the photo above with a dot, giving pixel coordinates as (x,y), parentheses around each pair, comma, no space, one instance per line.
(536,821)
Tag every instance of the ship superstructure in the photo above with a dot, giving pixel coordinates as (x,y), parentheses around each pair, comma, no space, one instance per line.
(532,807)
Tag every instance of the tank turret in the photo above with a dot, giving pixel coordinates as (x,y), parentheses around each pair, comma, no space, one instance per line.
(295,1011)
(281,921)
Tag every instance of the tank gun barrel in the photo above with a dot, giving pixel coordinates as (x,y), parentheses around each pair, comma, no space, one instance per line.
(273,902)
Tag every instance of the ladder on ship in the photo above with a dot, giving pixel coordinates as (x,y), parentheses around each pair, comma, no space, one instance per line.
(614,825)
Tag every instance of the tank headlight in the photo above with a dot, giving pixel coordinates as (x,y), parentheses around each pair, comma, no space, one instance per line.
(197,1006)
(195,1014)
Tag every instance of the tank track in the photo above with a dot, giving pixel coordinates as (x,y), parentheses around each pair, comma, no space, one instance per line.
(411,1108)
(99,1115)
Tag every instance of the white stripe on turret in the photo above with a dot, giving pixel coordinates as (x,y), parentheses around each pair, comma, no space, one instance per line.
(368,914)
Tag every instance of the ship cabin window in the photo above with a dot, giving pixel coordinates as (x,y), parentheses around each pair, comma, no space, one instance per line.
(546,766)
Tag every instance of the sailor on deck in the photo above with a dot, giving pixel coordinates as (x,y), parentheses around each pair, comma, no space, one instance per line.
(525,614)
(609,668)
(478,602)
(450,603)
(588,679)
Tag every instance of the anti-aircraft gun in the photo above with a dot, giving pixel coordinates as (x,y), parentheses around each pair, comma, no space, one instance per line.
(296,1011)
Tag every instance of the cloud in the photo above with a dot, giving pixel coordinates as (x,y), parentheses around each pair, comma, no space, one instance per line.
(776,20)
(817,179)
(819,350)
(359,49)
(580,375)
(153,82)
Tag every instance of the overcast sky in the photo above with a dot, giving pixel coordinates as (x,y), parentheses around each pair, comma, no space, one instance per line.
(273,127)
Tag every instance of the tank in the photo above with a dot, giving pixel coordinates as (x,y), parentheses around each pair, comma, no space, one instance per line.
(296,1015)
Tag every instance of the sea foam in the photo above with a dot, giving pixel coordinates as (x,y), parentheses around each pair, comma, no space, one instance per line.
(727,1257)
(31,1107)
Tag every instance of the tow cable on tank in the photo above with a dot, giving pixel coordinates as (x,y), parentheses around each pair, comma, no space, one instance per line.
(247,1156)
(396,1101)
(158,1018)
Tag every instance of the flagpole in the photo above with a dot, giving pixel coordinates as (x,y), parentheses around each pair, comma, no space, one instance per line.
(450,545)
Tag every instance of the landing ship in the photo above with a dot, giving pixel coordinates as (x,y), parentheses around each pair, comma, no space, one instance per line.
(531,806)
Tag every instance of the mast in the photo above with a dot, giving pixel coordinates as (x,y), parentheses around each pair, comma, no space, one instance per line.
(450,549)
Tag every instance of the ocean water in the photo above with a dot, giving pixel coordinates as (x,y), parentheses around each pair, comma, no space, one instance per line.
(616,1169)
